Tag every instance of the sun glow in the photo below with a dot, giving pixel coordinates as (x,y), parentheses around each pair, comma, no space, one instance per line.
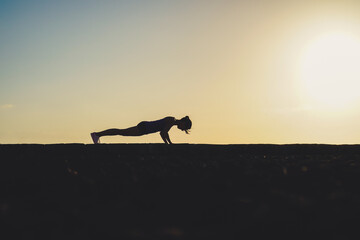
(330,71)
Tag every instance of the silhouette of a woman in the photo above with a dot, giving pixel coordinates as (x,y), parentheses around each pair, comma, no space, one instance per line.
(146,127)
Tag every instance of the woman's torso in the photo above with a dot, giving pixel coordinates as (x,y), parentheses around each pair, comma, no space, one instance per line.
(147,127)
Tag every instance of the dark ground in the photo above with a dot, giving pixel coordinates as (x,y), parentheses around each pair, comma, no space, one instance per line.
(157,191)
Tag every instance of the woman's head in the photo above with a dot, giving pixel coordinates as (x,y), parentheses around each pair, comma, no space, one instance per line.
(185,124)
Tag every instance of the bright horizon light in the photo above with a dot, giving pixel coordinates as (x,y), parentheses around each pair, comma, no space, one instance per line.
(330,71)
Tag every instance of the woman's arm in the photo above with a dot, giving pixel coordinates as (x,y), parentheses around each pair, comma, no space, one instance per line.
(168,138)
(165,137)
(165,132)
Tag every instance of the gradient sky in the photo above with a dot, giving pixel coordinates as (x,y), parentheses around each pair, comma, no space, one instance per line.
(244,71)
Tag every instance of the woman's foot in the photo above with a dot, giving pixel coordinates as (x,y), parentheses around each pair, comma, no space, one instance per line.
(95,138)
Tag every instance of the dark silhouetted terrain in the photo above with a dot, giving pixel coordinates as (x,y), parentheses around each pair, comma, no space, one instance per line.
(157,191)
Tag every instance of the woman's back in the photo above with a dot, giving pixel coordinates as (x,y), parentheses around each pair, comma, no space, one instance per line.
(147,127)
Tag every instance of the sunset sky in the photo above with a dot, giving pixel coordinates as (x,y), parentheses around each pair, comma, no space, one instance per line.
(257,71)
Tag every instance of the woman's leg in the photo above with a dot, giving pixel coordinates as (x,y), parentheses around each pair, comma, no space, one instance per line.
(133,131)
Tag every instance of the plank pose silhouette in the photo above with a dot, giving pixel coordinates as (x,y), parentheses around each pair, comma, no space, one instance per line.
(146,127)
